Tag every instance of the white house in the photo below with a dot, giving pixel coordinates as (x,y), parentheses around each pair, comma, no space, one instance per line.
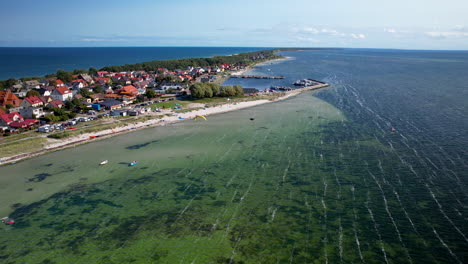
(62,94)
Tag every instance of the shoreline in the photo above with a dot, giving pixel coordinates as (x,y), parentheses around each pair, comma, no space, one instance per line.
(107,133)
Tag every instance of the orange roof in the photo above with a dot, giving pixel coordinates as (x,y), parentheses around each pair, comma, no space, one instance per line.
(112,96)
(7,97)
(129,89)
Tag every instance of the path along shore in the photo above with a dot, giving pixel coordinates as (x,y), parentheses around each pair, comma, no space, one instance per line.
(90,137)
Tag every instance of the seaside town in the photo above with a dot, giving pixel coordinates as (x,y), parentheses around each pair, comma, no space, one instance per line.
(35,104)
(38,115)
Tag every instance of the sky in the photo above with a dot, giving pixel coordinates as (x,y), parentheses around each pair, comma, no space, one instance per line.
(396,24)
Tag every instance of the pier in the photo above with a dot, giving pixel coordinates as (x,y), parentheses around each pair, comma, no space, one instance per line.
(257,77)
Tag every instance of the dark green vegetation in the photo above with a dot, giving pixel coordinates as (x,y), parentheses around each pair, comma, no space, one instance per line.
(247,58)
(208,90)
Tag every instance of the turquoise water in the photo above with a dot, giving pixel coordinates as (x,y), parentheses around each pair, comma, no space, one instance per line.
(319,178)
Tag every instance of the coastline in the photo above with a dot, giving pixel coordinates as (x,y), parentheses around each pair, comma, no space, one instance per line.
(85,138)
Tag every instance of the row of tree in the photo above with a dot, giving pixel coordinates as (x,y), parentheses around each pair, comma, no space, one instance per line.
(207,90)
(242,58)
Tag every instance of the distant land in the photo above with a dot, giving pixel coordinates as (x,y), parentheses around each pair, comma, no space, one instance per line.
(28,62)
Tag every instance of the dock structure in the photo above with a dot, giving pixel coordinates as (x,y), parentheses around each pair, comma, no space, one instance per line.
(257,77)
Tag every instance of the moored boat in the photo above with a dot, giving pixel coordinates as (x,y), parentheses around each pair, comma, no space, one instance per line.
(103,162)
(133,163)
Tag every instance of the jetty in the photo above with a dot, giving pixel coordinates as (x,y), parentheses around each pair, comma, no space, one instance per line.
(257,77)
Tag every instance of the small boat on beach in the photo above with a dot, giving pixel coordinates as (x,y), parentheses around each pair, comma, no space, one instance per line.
(133,163)
(103,162)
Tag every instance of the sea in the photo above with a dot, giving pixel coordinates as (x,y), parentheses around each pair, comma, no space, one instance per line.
(373,169)
(28,62)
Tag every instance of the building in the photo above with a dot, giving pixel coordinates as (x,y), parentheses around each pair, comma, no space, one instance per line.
(62,94)
(172,85)
(9,98)
(32,112)
(111,104)
(32,101)
(7,119)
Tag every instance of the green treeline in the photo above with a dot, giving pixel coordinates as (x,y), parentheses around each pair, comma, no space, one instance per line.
(206,90)
(247,58)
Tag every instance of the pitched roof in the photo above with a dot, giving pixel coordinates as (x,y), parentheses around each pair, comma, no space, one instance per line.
(56,103)
(33,100)
(8,118)
(63,90)
(25,123)
(129,89)
(7,97)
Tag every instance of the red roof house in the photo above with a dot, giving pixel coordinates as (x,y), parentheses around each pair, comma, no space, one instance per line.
(128,90)
(8,98)
(7,119)
(32,101)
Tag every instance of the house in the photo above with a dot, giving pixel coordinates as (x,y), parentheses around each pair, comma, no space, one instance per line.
(102,73)
(120,112)
(87,78)
(59,83)
(62,94)
(129,90)
(111,104)
(9,98)
(32,112)
(97,97)
(46,91)
(21,92)
(33,84)
(32,101)
(56,103)
(7,119)
(171,85)
(46,99)
(24,124)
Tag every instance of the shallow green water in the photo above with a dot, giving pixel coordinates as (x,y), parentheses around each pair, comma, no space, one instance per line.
(202,191)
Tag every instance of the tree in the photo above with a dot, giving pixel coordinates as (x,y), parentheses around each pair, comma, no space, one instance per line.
(64,76)
(85,92)
(52,82)
(197,90)
(150,93)
(214,88)
(10,82)
(98,89)
(239,90)
(92,71)
(79,71)
(32,93)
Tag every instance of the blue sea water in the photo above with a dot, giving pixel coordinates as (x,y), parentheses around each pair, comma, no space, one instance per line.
(25,62)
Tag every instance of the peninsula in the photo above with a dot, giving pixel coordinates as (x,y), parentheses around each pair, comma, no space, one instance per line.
(120,99)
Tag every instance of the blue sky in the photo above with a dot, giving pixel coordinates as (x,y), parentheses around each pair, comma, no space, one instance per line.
(402,24)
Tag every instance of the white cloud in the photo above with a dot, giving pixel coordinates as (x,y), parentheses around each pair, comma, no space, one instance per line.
(358,36)
(390,30)
(446,34)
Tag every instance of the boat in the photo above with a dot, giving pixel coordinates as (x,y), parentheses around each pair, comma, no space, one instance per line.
(7,220)
(103,162)
(133,163)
